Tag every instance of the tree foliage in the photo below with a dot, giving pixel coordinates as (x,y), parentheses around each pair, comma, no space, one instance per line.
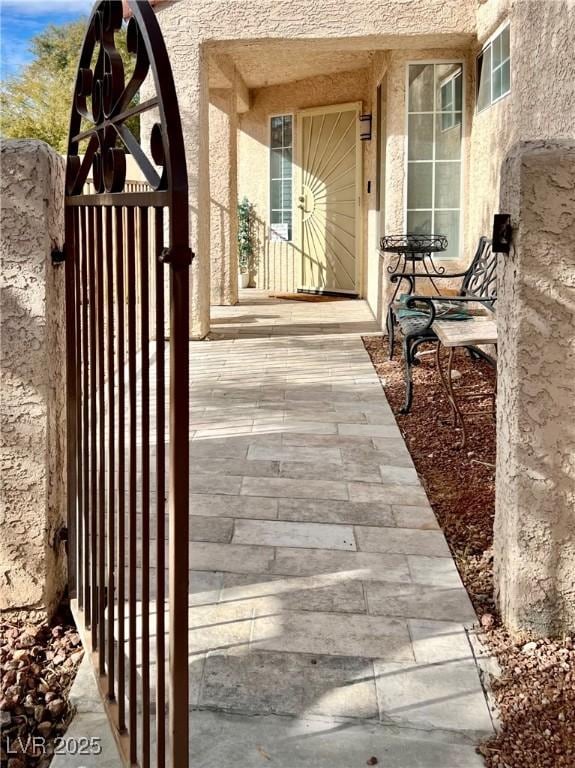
(36,103)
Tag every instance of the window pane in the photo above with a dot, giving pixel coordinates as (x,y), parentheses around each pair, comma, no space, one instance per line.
(276,194)
(496,52)
(505,47)
(419,222)
(286,193)
(419,185)
(506,78)
(458,87)
(420,137)
(496,91)
(448,136)
(447,223)
(484,79)
(276,163)
(447,185)
(421,88)
(286,163)
(287,131)
(448,80)
(277,131)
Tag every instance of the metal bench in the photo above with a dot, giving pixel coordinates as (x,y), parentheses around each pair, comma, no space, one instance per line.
(479,284)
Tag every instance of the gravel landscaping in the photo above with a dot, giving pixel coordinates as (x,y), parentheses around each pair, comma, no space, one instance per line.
(38,663)
(535,692)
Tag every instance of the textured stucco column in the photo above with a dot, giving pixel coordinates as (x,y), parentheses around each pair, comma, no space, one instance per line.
(32,373)
(535,501)
(224,196)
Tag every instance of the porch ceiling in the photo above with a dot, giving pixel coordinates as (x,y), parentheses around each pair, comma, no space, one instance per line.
(270,62)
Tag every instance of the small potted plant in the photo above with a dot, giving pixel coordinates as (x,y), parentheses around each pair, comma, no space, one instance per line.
(246,236)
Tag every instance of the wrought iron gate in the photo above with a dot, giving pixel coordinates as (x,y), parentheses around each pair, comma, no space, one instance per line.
(127,256)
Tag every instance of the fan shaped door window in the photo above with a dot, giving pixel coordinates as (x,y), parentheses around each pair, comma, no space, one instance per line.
(328,201)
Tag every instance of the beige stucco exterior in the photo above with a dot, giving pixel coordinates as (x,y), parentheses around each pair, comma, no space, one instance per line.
(32,374)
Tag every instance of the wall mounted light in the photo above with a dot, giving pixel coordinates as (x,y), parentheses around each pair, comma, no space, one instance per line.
(365,127)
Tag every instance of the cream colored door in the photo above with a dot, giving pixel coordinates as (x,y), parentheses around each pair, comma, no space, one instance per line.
(328,201)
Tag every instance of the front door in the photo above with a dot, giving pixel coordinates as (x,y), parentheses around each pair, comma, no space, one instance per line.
(329,197)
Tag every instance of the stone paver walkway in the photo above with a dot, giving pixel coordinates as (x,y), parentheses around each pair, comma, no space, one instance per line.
(328,616)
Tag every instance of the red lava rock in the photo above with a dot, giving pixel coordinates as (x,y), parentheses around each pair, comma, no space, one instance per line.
(535,693)
(372,761)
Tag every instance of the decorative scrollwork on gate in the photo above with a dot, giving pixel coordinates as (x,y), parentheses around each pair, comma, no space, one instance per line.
(104,101)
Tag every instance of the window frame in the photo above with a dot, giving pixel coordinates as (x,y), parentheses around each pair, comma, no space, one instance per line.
(488,45)
(463,72)
(271,116)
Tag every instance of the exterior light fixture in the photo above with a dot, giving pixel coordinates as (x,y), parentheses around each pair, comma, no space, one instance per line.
(365,127)
(502,233)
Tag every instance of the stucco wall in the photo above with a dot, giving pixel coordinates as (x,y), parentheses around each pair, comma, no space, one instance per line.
(32,415)
(279,263)
(535,500)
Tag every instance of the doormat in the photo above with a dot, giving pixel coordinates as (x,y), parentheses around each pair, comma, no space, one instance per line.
(308,297)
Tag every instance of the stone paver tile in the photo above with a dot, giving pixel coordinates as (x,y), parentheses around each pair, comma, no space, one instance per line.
(217,739)
(367,566)
(414,517)
(434,571)
(349,443)
(234,467)
(289,683)
(388,494)
(349,472)
(219,627)
(370,430)
(398,475)
(292,453)
(446,696)
(296,593)
(436,641)
(232,447)
(218,529)
(402,541)
(238,558)
(233,506)
(310,489)
(205,587)
(352,513)
(326,633)
(396,455)
(209,483)
(196,663)
(279,533)
(319,428)
(419,602)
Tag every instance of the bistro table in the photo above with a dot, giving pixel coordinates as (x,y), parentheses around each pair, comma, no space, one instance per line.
(475,331)
(412,250)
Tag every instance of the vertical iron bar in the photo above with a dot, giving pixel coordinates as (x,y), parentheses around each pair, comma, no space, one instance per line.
(132,513)
(85,214)
(93,436)
(145,418)
(71,394)
(161,493)
(178,497)
(121,469)
(79,530)
(101,323)
(111,667)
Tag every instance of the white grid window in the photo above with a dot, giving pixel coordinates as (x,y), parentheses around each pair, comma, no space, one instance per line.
(493,71)
(434,145)
(281,175)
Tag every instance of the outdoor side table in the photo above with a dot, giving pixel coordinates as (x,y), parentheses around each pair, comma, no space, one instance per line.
(463,333)
(412,250)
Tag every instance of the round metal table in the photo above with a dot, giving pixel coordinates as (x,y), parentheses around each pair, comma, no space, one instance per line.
(411,250)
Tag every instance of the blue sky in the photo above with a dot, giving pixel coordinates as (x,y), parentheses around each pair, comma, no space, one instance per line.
(20,20)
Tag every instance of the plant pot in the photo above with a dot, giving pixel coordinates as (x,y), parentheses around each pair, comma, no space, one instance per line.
(243,279)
